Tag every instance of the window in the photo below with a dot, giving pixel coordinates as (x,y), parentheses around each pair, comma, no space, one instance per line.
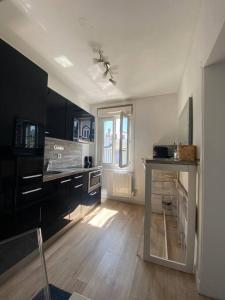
(115,140)
(107,141)
(85,132)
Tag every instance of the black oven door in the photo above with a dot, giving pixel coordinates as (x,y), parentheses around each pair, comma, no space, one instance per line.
(95,180)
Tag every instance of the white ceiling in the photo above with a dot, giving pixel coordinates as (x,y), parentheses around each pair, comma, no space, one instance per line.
(148,41)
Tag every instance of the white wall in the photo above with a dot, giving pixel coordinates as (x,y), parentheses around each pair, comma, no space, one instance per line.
(210,24)
(212,259)
(155,123)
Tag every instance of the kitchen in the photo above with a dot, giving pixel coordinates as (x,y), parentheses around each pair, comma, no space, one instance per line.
(106,169)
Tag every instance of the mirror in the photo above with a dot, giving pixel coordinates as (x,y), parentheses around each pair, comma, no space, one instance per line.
(168,220)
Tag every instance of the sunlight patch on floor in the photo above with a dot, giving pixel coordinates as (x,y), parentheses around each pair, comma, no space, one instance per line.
(104,216)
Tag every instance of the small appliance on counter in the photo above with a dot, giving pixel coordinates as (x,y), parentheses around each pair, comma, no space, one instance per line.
(88,162)
(164,151)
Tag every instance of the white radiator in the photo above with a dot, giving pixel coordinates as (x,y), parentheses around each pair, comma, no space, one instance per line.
(122,185)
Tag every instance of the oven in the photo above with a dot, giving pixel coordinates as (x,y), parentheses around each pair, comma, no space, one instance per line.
(94,180)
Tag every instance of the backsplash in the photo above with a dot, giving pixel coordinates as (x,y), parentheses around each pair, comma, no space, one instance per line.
(64,154)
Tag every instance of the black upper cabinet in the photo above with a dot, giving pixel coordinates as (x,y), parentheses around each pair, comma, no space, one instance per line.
(80,124)
(73,111)
(56,115)
(23,91)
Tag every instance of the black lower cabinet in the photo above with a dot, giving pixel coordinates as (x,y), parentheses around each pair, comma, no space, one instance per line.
(91,199)
(76,196)
(16,249)
(61,202)
(20,222)
(55,208)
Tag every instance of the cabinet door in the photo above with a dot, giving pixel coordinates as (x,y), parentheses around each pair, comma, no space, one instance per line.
(73,113)
(90,199)
(92,133)
(76,197)
(23,91)
(86,126)
(55,209)
(56,115)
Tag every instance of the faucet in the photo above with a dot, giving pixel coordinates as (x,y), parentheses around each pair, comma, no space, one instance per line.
(49,165)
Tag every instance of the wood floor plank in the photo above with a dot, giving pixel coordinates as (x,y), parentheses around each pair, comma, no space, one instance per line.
(98,258)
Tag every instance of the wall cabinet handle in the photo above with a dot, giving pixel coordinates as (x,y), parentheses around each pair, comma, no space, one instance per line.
(92,194)
(32,176)
(78,177)
(64,181)
(77,186)
(31,191)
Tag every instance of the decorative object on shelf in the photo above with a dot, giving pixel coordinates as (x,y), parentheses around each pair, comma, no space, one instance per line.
(186,152)
(108,68)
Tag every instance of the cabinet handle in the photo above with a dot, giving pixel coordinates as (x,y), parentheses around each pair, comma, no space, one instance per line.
(96,175)
(77,186)
(64,181)
(47,132)
(31,191)
(78,177)
(32,176)
(92,194)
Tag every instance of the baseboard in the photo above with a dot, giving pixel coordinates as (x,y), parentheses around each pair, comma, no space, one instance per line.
(197,279)
(126,200)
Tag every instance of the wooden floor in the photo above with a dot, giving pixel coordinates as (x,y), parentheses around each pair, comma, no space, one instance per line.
(98,258)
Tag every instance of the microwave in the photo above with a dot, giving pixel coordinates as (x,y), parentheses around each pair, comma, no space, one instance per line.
(164,151)
(29,137)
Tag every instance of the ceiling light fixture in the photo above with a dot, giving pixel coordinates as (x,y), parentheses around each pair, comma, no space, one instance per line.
(108,69)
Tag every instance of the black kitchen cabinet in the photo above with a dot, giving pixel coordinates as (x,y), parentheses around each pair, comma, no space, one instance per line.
(56,115)
(55,209)
(84,127)
(80,125)
(22,221)
(23,91)
(90,199)
(77,193)
(73,111)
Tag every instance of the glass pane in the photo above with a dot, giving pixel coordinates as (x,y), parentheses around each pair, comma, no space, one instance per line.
(168,233)
(30,136)
(22,257)
(107,141)
(75,129)
(124,149)
(85,129)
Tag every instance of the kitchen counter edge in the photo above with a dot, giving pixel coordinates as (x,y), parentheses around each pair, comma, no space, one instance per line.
(68,172)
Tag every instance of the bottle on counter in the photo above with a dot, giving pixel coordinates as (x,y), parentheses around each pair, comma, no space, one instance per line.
(176,152)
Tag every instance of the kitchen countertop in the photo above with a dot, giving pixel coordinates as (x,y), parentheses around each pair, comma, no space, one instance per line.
(67,172)
(169,161)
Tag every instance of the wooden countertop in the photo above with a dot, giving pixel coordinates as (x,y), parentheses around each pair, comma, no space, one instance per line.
(170,161)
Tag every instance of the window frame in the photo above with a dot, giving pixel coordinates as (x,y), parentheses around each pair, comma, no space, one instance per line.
(121,165)
(114,165)
(102,120)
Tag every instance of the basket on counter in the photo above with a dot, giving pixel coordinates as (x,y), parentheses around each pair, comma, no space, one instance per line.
(186,152)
